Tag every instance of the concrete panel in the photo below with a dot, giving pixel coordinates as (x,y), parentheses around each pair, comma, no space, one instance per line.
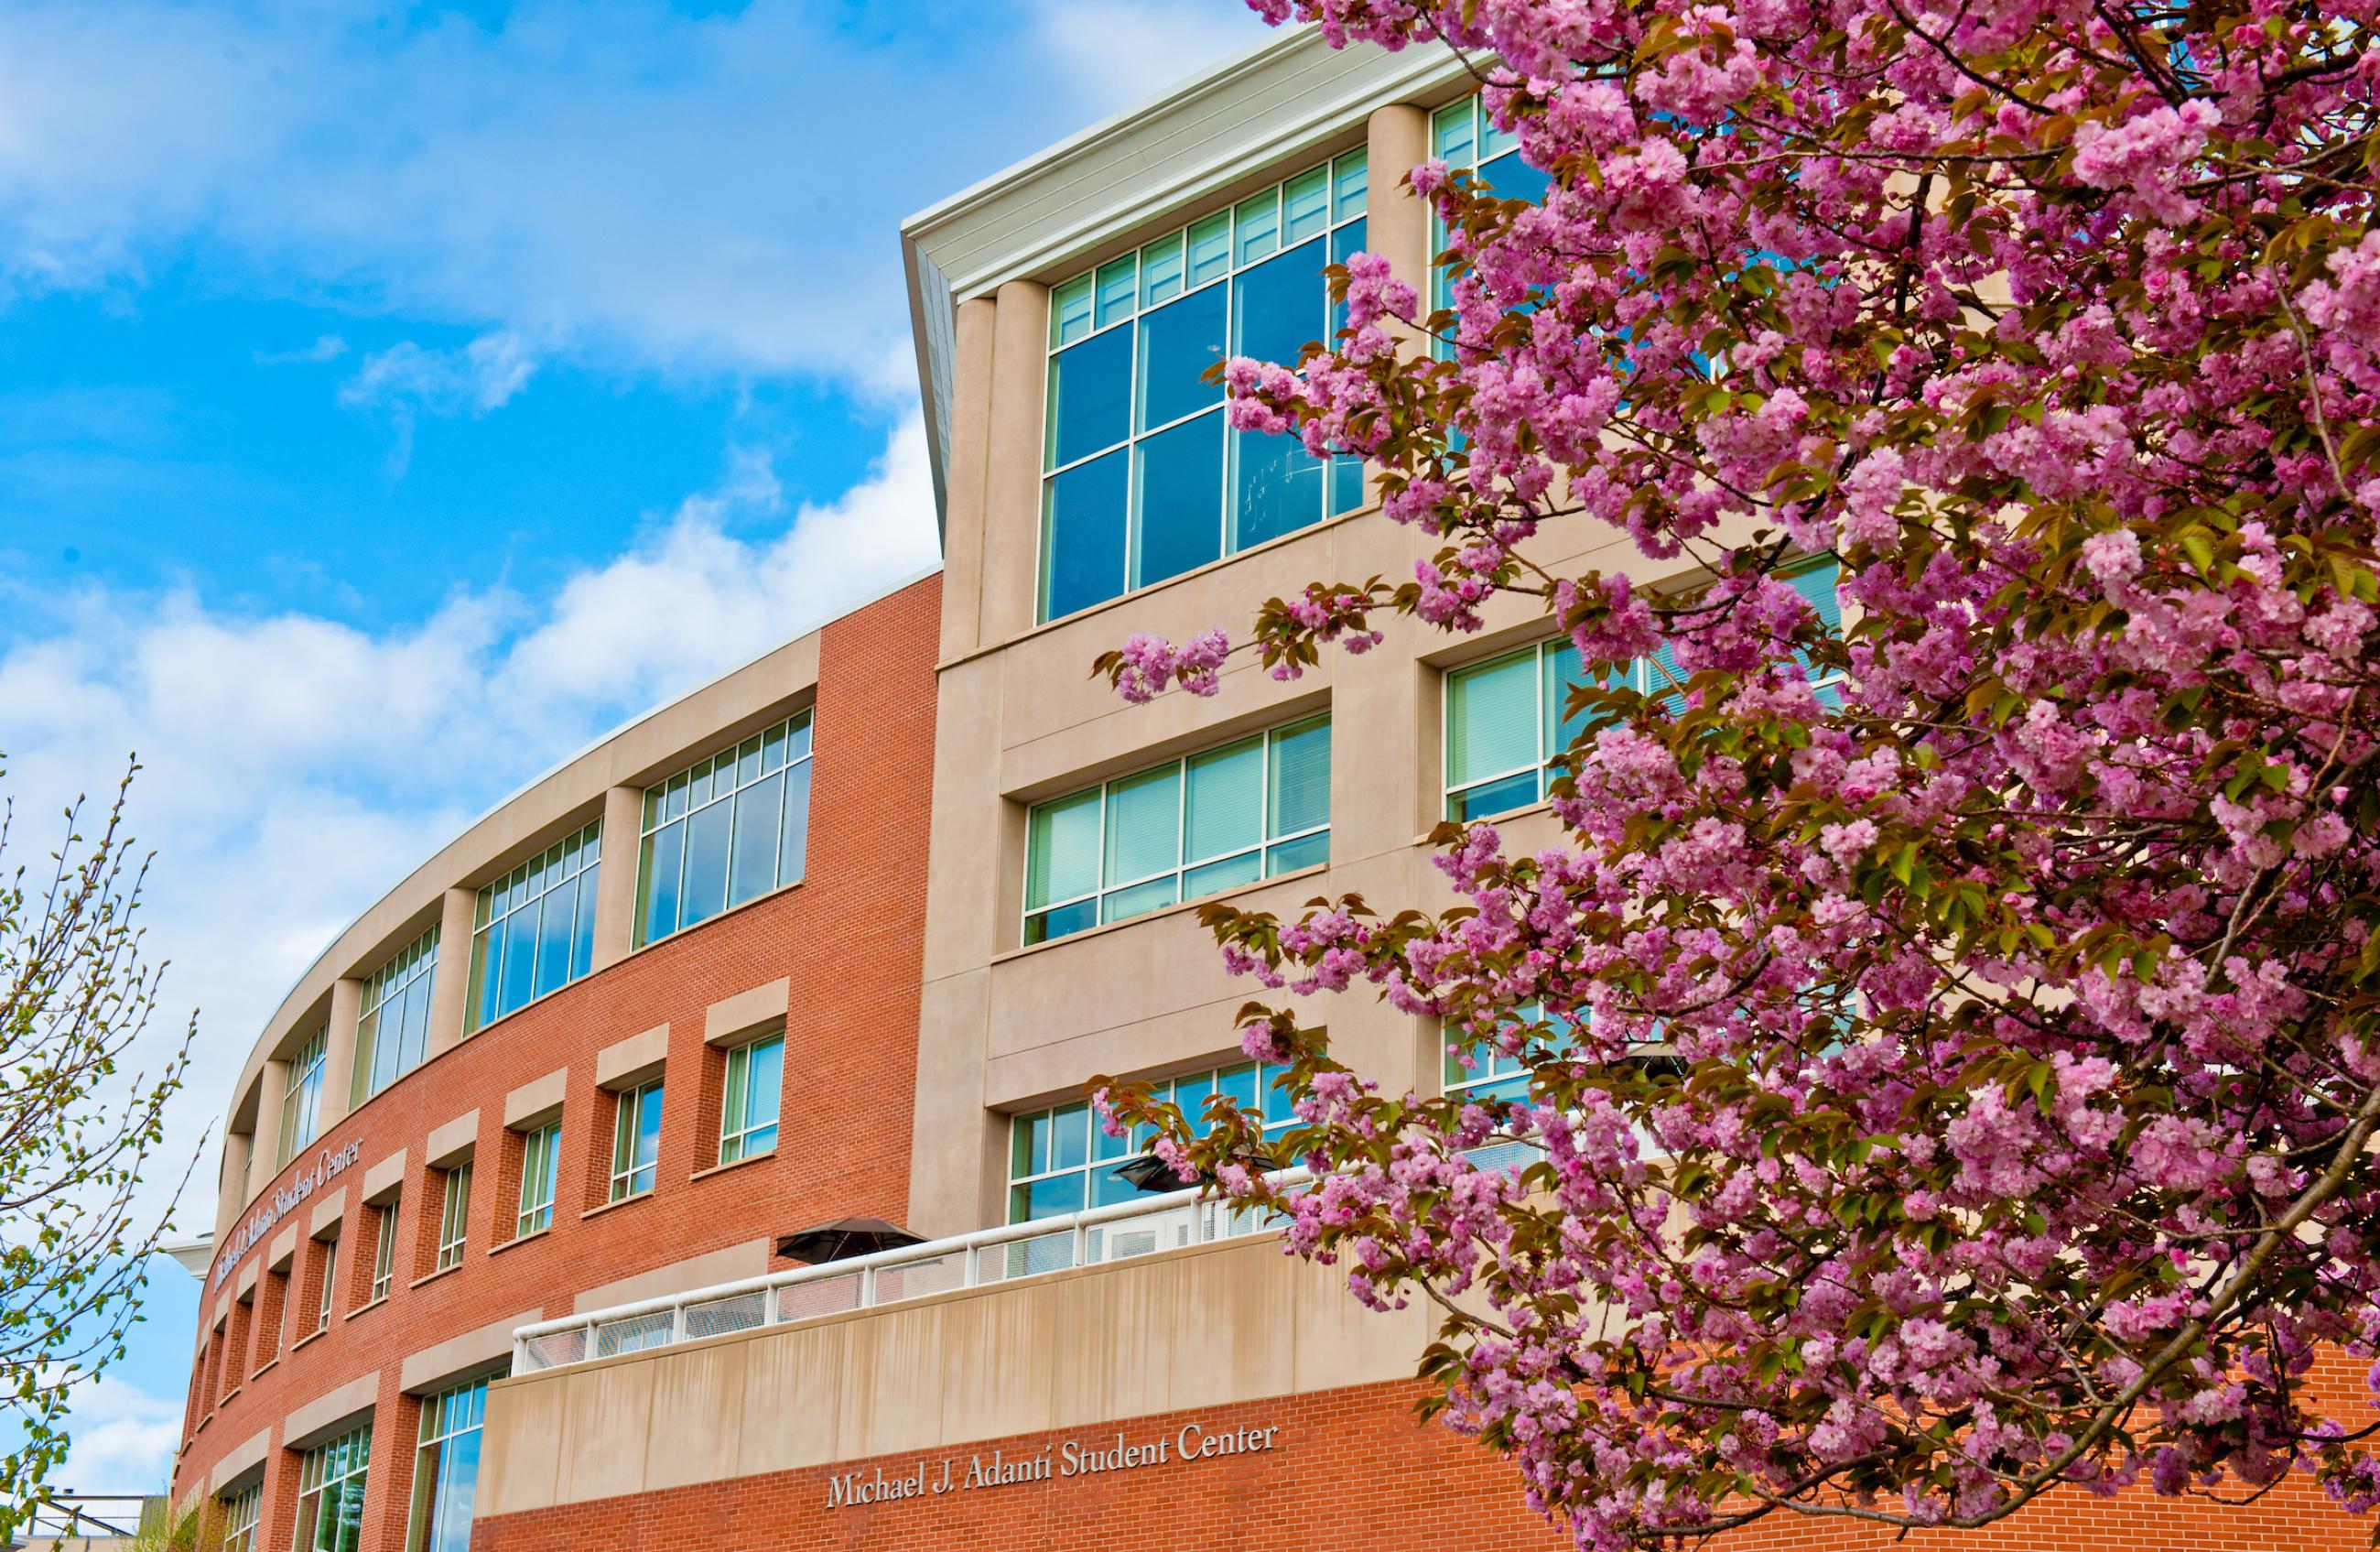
(283,1249)
(697,1417)
(521,1453)
(956,1160)
(1115,1361)
(339,1053)
(626,1062)
(1340,1342)
(970,445)
(457,1358)
(606,1433)
(327,1214)
(891,1395)
(615,892)
(537,1100)
(327,1415)
(240,1459)
(265,1157)
(791,1406)
(382,1180)
(729,1019)
(452,1143)
(733,1264)
(997,1376)
(245,1284)
(448,992)
(1232,1337)
(1012,500)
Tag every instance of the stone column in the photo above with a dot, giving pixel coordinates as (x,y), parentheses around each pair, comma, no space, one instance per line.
(339,1062)
(231,1190)
(271,1087)
(964,511)
(1397,225)
(451,988)
(615,894)
(1012,504)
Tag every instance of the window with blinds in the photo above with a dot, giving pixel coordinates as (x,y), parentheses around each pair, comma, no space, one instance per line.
(1187,828)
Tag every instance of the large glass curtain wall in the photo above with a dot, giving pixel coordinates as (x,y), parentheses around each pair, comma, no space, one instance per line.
(1061,1160)
(394,1032)
(331,1494)
(1507,719)
(1187,828)
(1143,482)
(534,929)
(725,830)
(1466,139)
(446,1470)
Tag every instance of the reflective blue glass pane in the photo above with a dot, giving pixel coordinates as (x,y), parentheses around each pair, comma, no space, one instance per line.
(1345,243)
(520,958)
(1258,223)
(458,1482)
(582,944)
(1178,342)
(1070,312)
(663,853)
(1348,492)
(1239,1085)
(1300,797)
(752,861)
(765,1085)
(1083,511)
(1276,487)
(1070,1136)
(1116,284)
(1190,1095)
(1306,205)
(1229,874)
(1178,497)
(1348,178)
(556,912)
(1104,1147)
(1302,853)
(1493,796)
(1563,675)
(1494,140)
(1211,248)
(793,831)
(706,863)
(1452,133)
(1042,1199)
(1141,899)
(1108,1186)
(1161,270)
(1513,178)
(1090,394)
(1277,307)
(416,1024)
(798,741)
(1224,809)
(1041,926)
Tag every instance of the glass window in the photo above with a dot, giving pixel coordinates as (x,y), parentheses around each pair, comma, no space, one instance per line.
(329,1297)
(301,1096)
(1142,480)
(384,1252)
(1490,1072)
(1187,828)
(446,1470)
(455,1215)
(394,1032)
(1061,1160)
(331,1494)
(534,929)
(635,1141)
(540,1170)
(747,1123)
(239,1514)
(1507,719)
(725,830)
(1466,139)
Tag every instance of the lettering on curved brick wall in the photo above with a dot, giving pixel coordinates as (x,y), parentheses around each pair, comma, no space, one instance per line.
(1071,1459)
(330,1165)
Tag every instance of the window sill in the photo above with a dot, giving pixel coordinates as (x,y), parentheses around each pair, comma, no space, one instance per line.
(1094,610)
(724,1168)
(225,1399)
(367,1306)
(1309,870)
(598,1211)
(725,913)
(433,1276)
(316,1335)
(270,1364)
(519,1240)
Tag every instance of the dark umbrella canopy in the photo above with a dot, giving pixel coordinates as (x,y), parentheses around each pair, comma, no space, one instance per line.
(844,1238)
(1152,1173)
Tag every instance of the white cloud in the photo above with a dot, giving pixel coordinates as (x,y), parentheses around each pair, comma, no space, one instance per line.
(1134,49)
(122,1438)
(407,382)
(326,347)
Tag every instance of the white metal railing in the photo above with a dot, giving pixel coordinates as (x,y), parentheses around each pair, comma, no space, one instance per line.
(988,1255)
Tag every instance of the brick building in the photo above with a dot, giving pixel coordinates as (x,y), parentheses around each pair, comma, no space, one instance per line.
(1068,1360)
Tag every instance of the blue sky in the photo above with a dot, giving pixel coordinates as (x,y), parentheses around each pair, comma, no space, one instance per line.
(394,398)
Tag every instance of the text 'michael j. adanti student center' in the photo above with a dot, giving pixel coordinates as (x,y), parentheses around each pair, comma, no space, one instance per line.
(844,932)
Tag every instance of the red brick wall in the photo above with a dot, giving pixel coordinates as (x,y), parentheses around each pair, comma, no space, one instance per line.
(1349,1469)
(848,937)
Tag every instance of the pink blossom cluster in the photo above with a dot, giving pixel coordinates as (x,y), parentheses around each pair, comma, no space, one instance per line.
(1950,1035)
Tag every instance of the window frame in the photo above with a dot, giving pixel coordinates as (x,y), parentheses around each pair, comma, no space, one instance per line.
(383,1277)
(657,816)
(540,1172)
(393,983)
(573,862)
(1167,1089)
(1640,670)
(301,1096)
(239,1512)
(1185,866)
(732,1138)
(327,1297)
(1342,210)
(351,1451)
(446,1416)
(454,1217)
(628,1136)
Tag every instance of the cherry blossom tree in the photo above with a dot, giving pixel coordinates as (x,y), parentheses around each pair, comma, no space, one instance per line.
(1952,1038)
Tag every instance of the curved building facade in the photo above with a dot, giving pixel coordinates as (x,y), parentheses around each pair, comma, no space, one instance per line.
(650,1014)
